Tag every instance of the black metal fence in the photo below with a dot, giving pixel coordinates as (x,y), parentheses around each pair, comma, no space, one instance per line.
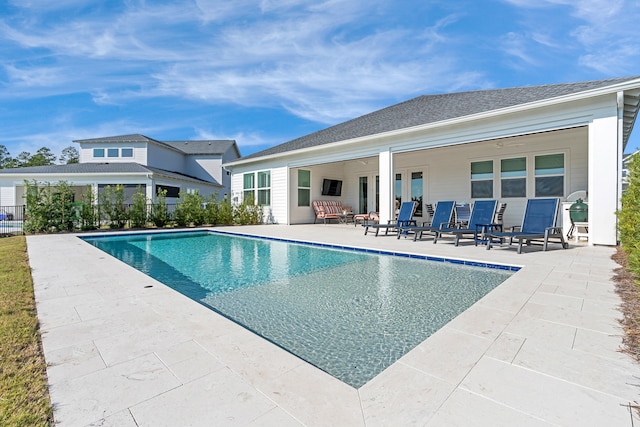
(11,220)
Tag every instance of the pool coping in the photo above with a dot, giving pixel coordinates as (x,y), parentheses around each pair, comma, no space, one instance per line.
(475,361)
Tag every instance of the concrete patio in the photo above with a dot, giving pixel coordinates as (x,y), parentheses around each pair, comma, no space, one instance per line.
(541,349)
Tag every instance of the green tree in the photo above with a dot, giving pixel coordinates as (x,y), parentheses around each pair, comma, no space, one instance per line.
(5,157)
(43,157)
(69,155)
(112,205)
(629,216)
(88,214)
(189,210)
(159,214)
(138,211)
(21,160)
(49,207)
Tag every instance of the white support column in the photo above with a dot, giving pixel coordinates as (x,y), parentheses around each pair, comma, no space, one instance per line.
(149,190)
(386,186)
(603,180)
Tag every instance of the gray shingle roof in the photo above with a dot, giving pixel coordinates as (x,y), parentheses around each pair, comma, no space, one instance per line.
(428,109)
(100,168)
(208,146)
(136,137)
(214,146)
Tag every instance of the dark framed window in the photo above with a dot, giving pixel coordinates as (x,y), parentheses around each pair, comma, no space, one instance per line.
(171,191)
(513,177)
(264,188)
(482,179)
(549,175)
(304,187)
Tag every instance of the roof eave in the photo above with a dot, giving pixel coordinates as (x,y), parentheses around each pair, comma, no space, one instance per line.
(628,85)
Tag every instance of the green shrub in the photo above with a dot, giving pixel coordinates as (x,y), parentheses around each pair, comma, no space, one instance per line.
(225,212)
(88,211)
(112,206)
(159,214)
(211,210)
(629,217)
(189,210)
(247,213)
(138,211)
(49,208)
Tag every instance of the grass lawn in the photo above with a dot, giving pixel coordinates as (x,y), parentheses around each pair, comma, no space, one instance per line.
(24,397)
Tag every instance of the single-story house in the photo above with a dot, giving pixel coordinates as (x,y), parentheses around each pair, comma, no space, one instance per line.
(135,161)
(507,144)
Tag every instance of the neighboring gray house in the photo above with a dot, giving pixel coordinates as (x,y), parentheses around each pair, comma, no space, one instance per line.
(508,144)
(135,161)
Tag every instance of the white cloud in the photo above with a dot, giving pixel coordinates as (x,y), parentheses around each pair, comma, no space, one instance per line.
(600,37)
(300,54)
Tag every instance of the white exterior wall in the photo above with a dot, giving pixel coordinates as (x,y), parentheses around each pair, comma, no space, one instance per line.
(7,194)
(277,212)
(305,214)
(165,158)
(204,167)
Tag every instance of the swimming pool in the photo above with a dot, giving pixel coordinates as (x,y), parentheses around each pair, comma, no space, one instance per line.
(348,312)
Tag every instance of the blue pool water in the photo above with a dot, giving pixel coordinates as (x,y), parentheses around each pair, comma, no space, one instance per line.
(350,313)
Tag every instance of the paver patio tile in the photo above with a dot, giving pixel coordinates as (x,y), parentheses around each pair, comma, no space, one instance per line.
(544,332)
(465,409)
(254,359)
(315,398)
(506,347)
(551,399)
(276,417)
(482,321)
(97,395)
(569,317)
(119,419)
(217,399)
(404,395)
(448,354)
(73,362)
(605,345)
(586,369)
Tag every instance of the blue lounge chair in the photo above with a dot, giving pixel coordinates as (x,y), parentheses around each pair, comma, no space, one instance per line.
(462,213)
(538,225)
(481,216)
(442,215)
(405,218)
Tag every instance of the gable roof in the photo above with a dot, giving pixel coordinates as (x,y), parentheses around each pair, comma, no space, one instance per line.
(428,109)
(101,168)
(206,146)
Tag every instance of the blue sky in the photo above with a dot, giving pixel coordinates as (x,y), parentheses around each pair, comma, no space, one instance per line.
(265,72)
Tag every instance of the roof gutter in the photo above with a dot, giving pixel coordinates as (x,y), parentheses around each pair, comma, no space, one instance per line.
(620,87)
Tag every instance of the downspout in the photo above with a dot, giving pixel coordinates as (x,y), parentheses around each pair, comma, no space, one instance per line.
(620,148)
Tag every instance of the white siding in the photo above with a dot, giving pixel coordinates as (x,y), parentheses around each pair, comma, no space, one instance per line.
(165,158)
(204,167)
(7,194)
